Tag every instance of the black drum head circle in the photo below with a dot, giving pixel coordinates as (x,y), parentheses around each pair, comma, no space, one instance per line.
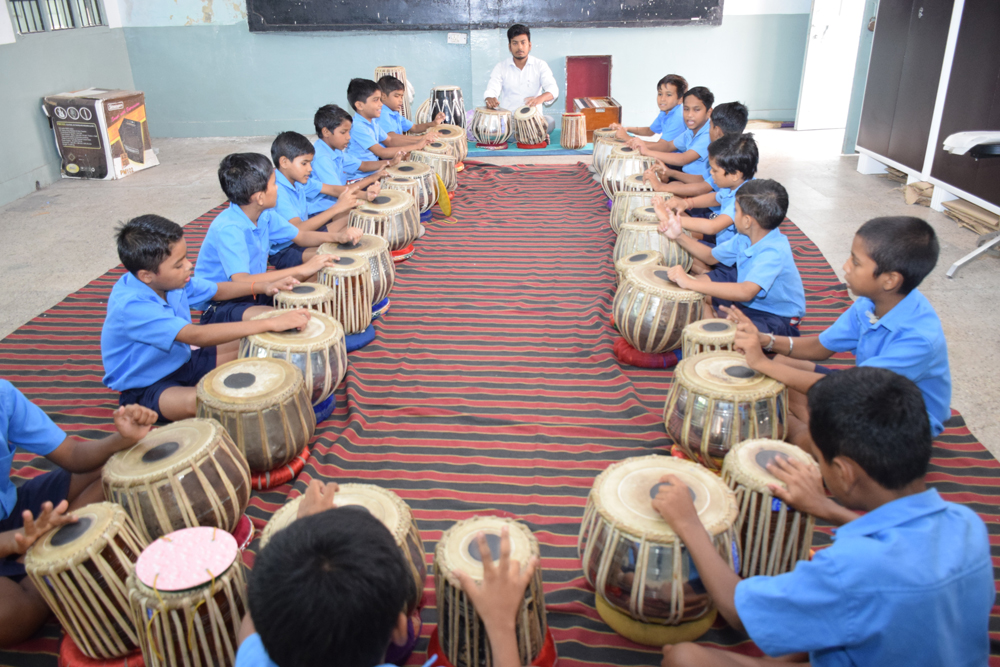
(649,209)
(626,149)
(525,109)
(303,289)
(641,257)
(766,457)
(71,531)
(714,326)
(437,144)
(382,199)
(444,131)
(655,490)
(741,372)
(161,451)
(240,381)
(492,541)
(405,167)
(345,261)
(662,275)
(347,246)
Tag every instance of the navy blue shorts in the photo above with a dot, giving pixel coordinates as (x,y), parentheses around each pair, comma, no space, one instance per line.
(699,213)
(288,258)
(52,487)
(764,321)
(825,370)
(232,310)
(721,273)
(201,362)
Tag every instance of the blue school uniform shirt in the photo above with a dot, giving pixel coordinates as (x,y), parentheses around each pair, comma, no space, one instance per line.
(692,141)
(909,583)
(139,343)
(768,263)
(253,654)
(22,424)
(727,206)
(293,202)
(715,188)
(669,124)
(330,167)
(393,121)
(908,340)
(234,244)
(364,134)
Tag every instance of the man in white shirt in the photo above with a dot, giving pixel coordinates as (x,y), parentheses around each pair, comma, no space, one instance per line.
(523,80)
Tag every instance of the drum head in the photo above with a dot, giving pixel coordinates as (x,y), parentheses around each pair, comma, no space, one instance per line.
(653,278)
(409,169)
(164,450)
(388,202)
(250,381)
(450,132)
(321,331)
(186,559)
(367,246)
(525,112)
(459,550)
(644,257)
(305,294)
(60,546)
(644,214)
(436,148)
(714,327)
(726,373)
(747,462)
(492,112)
(624,494)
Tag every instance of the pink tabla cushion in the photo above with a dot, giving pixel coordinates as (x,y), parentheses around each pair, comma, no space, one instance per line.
(186,559)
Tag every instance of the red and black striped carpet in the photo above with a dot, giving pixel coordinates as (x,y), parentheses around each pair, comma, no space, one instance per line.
(490,388)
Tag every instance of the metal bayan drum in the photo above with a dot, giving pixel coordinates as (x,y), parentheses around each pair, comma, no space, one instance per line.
(351,282)
(574,131)
(773,537)
(711,335)
(624,203)
(263,405)
(622,163)
(634,261)
(393,215)
(717,401)
(455,139)
(374,250)
(319,351)
(529,127)
(189,473)
(399,72)
(602,151)
(424,193)
(635,236)
(651,311)
(385,506)
(440,159)
(311,296)
(492,127)
(448,100)
(642,573)
(81,569)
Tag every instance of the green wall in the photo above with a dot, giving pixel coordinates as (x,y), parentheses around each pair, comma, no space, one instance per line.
(43,64)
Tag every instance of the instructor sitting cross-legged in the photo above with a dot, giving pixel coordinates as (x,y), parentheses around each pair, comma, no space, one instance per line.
(523,79)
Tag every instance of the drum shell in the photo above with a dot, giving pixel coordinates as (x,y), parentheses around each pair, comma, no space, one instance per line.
(455,139)
(621,270)
(423,113)
(574,131)
(636,183)
(695,342)
(619,167)
(636,237)
(353,296)
(649,321)
(623,204)
(383,270)
(447,99)
(399,72)
(428,185)
(398,229)
(443,165)
(288,300)
(532,129)
(416,188)
(492,129)
(602,151)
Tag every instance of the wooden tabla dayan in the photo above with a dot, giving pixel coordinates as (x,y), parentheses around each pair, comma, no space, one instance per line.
(399,72)
(263,405)
(717,401)
(622,205)
(80,570)
(189,592)
(651,311)
(385,506)
(439,158)
(647,587)
(634,261)
(624,161)
(530,128)
(460,636)
(423,113)
(393,215)
(574,131)
(710,335)
(188,473)
(602,151)
(636,236)
(604,133)
(454,138)
(449,100)
(311,296)
(319,351)
(492,127)
(772,536)
(351,281)
(374,250)
(426,191)
(638,183)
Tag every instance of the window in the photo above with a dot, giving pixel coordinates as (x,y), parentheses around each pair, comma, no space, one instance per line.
(42,15)
(27,15)
(89,13)
(60,16)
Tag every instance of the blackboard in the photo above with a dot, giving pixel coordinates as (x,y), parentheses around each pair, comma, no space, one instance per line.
(302,15)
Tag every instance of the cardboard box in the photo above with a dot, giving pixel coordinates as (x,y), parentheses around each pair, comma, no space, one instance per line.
(100,133)
(599,112)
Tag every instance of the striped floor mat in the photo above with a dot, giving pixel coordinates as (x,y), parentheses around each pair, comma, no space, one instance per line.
(490,388)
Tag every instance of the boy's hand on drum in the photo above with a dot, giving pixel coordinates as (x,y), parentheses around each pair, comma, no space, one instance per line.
(680,277)
(349,197)
(673,502)
(498,597)
(677,204)
(374,190)
(133,423)
(439,118)
(49,518)
(396,159)
(319,497)
(620,132)
(319,262)
(282,285)
(492,103)
(803,485)
(749,345)
(651,176)
(290,319)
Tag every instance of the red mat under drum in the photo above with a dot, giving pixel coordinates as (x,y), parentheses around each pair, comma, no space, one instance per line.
(490,388)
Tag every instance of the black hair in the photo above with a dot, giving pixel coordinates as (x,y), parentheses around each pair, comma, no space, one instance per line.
(903,244)
(329,586)
(330,117)
(242,175)
(876,418)
(730,117)
(390,84)
(764,200)
(517,30)
(703,94)
(735,152)
(290,145)
(359,90)
(679,83)
(145,241)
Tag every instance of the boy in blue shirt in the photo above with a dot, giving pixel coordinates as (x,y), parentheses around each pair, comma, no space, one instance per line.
(41,503)
(369,142)
(237,245)
(147,338)
(689,151)
(669,123)
(891,325)
(392,120)
(767,283)
(332,587)
(908,583)
(292,155)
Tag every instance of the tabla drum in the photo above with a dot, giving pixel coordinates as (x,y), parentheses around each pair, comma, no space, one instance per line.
(647,586)
(398,72)
(651,311)
(385,506)
(440,159)
(319,351)
(772,536)
(636,237)
(717,401)
(492,127)
(188,473)
(393,215)
(634,261)
(638,183)
(263,405)
(460,637)
(623,162)
(374,250)
(574,131)
(311,296)
(602,151)
(603,133)
(622,205)
(81,569)
(709,335)
(425,193)
(448,100)
(423,113)
(190,592)
(350,279)
(454,138)
(530,129)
